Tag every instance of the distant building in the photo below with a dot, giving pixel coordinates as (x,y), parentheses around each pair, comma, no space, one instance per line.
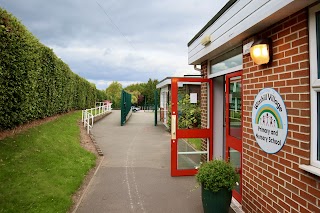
(165,95)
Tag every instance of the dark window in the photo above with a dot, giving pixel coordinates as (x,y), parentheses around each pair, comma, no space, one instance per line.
(318,42)
(318,127)
(318,95)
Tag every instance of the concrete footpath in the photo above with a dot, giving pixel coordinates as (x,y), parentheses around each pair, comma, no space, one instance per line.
(135,173)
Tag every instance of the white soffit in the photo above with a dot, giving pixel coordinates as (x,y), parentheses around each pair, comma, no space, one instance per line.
(242,20)
(164,83)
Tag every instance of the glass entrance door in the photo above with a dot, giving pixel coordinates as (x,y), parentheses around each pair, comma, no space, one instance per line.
(234,125)
(191,135)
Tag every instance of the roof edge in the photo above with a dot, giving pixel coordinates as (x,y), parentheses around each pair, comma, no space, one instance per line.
(224,9)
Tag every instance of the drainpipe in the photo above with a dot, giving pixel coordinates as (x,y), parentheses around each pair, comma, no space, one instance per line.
(196,68)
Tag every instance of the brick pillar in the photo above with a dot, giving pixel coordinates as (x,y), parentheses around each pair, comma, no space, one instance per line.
(161,114)
(204,105)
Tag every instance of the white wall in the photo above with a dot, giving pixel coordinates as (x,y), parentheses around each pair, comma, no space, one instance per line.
(218,118)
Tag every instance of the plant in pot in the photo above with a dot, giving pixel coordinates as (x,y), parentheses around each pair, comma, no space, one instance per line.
(217,179)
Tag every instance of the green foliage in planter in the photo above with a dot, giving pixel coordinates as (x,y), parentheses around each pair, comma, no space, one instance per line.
(34,82)
(217,174)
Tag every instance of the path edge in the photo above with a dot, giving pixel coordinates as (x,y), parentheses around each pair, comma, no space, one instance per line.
(87,187)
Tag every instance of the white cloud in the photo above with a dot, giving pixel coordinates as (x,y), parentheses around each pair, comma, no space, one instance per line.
(221,66)
(234,63)
(141,61)
(143,39)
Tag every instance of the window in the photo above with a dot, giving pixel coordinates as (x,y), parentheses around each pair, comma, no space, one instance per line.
(314,35)
(226,63)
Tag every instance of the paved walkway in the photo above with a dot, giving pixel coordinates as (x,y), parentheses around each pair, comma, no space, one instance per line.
(135,173)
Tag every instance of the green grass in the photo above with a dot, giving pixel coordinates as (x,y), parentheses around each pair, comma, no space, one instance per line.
(41,168)
(195,143)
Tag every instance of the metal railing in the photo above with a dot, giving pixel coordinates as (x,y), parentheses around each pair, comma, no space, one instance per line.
(86,118)
(88,115)
(125,107)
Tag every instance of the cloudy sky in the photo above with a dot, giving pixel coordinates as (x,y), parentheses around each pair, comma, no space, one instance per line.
(117,40)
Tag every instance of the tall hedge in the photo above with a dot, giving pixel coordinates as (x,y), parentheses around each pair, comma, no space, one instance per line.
(34,82)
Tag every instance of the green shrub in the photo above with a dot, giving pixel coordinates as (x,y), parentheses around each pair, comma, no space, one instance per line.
(217,174)
(169,117)
(189,113)
(34,82)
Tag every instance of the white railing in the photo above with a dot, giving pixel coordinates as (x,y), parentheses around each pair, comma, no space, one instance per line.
(88,115)
(107,105)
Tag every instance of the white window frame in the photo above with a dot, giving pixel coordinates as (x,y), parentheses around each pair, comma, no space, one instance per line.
(315,83)
(227,71)
(314,166)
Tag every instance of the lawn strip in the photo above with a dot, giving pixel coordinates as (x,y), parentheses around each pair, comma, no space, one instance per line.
(42,167)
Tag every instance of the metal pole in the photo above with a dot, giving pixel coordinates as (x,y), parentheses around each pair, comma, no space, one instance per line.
(155,107)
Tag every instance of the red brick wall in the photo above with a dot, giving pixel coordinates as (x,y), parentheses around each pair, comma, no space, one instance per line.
(204,104)
(274,182)
(162,114)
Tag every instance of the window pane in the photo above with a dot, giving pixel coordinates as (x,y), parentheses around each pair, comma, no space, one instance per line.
(235,107)
(227,64)
(314,33)
(235,160)
(318,95)
(318,42)
(318,127)
(191,152)
(189,105)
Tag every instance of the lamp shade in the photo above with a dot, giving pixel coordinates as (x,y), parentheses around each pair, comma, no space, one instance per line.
(260,53)
(206,40)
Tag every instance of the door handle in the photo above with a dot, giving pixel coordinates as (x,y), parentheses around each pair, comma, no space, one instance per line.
(173,127)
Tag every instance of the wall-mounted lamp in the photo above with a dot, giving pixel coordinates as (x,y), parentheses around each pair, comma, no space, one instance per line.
(260,51)
(206,40)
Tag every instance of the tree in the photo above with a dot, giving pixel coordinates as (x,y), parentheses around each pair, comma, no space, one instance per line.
(101,95)
(135,87)
(143,93)
(114,94)
(140,100)
(134,97)
(149,89)
(135,90)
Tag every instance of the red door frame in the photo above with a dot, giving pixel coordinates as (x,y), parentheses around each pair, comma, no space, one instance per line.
(189,133)
(232,142)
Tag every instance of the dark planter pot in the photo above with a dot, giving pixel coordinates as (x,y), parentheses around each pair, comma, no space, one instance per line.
(216,201)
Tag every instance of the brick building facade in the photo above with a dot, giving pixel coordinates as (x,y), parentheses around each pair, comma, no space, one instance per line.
(288,180)
(275,182)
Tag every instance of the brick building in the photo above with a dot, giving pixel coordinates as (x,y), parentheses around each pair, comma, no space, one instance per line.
(286,179)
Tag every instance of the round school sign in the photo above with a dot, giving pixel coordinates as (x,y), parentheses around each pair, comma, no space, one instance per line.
(269,120)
